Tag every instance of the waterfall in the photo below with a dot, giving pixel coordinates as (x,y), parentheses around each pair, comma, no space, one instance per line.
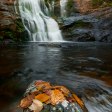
(36,20)
(63,4)
(51,6)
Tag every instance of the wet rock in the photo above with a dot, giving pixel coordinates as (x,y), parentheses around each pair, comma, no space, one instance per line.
(6,13)
(83,5)
(10,23)
(88,28)
(52,98)
(91,22)
(67,22)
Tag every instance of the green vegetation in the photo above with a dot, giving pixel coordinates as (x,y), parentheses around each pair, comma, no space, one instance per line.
(15,33)
(9,34)
(19,24)
(97,3)
(1,38)
(80,23)
(70,7)
(109,3)
(70,4)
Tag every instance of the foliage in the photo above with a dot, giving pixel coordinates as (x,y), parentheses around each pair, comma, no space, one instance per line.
(97,3)
(16,33)
(19,24)
(70,7)
(80,23)
(109,3)
(9,34)
(1,38)
(70,4)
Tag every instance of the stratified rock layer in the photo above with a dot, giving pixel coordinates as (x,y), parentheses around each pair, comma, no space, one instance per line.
(89,22)
(10,23)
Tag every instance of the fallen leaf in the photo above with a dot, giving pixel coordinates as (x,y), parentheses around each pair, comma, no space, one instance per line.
(25,102)
(78,100)
(63,89)
(42,97)
(56,97)
(36,106)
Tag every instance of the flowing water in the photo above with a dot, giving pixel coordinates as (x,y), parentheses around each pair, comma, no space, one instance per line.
(36,20)
(85,68)
(63,4)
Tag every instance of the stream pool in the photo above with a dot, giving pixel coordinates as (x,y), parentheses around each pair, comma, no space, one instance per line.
(85,68)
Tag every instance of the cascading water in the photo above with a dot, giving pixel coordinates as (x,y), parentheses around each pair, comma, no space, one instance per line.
(63,4)
(51,6)
(36,20)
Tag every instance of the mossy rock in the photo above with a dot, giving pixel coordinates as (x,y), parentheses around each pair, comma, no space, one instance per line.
(15,32)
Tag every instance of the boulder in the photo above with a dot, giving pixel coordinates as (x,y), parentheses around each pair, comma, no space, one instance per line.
(95,26)
(41,96)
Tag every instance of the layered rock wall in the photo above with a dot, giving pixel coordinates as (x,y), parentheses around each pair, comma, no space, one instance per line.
(91,22)
(10,23)
(83,5)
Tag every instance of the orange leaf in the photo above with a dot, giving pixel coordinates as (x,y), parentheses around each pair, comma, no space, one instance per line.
(27,101)
(56,97)
(78,100)
(42,97)
(63,89)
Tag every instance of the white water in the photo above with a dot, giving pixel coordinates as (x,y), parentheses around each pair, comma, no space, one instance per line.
(63,4)
(100,103)
(39,25)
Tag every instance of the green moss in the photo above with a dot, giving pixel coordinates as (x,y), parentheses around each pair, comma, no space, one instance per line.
(9,34)
(70,7)
(81,24)
(70,4)
(97,2)
(17,34)
(109,4)
(19,24)
(1,38)
(78,24)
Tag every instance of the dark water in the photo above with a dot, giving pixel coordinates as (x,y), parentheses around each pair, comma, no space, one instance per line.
(85,68)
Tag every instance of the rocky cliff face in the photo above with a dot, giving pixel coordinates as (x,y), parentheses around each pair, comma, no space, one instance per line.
(83,5)
(10,24)
(89,22)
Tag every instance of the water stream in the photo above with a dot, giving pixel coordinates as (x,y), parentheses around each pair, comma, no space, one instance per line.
(82,67)
(63,4)
(37,21)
